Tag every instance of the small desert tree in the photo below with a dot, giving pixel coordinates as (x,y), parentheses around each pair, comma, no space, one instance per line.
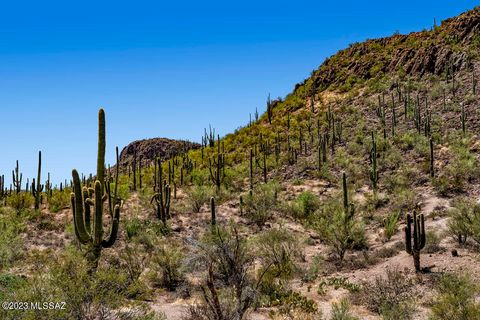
(229,288)
(338,226)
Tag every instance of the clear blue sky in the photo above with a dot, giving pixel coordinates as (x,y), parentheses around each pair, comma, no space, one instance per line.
(165,69)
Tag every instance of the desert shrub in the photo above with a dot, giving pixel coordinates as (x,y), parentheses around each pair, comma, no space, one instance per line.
(464,222)
(456,298)
(9,283)
(312,272)
(404,199)
(133,260)
(198,196)
(339,229)
(229,288)
(278,250)
(65,277)
(389,295)
(167,266)
(258,205)
(462,168)
(405,141)
(432,243)
(11,226)
(305,204)
(341,311)
(391,224)
(133,227)
(59,200)
(200,176)
(20,201)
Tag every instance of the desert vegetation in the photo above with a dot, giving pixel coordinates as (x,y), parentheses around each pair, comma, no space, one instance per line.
(354,197)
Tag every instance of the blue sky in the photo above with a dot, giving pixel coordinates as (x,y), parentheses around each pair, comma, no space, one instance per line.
(165,69)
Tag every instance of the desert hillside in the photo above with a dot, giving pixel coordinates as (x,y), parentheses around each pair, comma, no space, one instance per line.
(356,196)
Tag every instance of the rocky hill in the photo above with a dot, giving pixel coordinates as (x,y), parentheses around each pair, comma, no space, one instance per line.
(149,149)
(415,54)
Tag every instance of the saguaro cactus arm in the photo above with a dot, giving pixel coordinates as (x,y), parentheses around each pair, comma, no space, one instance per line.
(77,208)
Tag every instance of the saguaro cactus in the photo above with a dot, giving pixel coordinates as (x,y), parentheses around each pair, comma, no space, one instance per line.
(17,179)
(415,241)
(212,211)
(374,171)
(345,191)
(37,190)
(92,236)
(269,109)
(217,170)
(162,197)
(432,172)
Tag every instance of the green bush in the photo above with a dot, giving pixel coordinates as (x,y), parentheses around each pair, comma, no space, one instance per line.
(166,266)
(20,201)
(464,222)
(134,227)
(391,224)
(59,200)
(199,196)
(461,168)
(340,230)
(305,204)
(259,206)
(432,243)
(341,311)
(65,278)
(11,226)
(278,251)
(456,298)
(228,263)
(390,295)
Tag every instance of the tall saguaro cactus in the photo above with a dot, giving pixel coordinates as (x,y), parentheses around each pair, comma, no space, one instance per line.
(269,109)
(162,195)
(92,236)
(212,212)
(374,170)
(38,188)
(415,239)
(217,169)
(432,170)
(17,179)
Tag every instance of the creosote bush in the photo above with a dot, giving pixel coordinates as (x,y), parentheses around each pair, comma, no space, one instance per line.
(340,232)
(59,200)
(305,205)
(65,277)
(167,266)
(279,251)
(259,206)
(456,298)
(390,296)
(229,287)
(11,225)
(20,201)
(464,222)
(199,196)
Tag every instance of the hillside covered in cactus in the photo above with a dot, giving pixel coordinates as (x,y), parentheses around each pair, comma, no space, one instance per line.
(356,196)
